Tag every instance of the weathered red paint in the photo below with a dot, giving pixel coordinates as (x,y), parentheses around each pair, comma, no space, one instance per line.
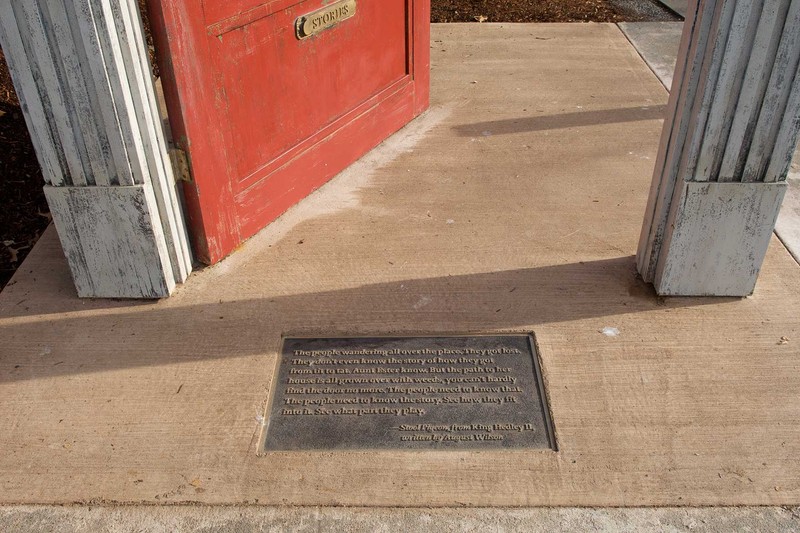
(267,118)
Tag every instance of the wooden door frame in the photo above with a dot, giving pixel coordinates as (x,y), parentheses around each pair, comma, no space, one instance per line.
(83,78)
(731,129)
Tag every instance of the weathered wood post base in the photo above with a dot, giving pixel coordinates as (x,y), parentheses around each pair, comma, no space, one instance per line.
(731,129)
(81,72)
(103,226)
(718,239)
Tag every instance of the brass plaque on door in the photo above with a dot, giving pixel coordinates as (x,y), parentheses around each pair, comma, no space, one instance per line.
(322,19)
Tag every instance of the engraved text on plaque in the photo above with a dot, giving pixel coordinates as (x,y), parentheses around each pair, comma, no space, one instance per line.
(468,392)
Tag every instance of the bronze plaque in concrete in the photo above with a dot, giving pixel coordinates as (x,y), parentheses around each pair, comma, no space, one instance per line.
(468,392)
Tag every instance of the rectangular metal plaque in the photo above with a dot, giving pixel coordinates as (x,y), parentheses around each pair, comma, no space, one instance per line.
(468,392)
(322,19)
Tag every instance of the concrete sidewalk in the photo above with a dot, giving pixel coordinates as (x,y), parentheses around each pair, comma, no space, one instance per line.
(513,205)
(681,7)
(174,519)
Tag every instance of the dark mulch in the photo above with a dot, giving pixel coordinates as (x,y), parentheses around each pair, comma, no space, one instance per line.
(548,11)
(523,11)
(23,210)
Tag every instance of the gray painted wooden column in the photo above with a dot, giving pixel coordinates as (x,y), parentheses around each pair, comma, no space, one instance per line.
(81,71)
(732,126)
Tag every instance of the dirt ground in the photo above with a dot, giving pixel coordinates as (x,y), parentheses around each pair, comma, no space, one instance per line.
(548,11)
(23,210)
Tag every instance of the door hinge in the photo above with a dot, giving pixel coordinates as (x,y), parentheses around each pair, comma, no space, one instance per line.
(180,165)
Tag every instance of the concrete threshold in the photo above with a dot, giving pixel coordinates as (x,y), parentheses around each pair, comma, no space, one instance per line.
(237,519)
(513,205)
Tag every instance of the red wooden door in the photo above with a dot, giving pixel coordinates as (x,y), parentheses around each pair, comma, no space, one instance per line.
(267,113)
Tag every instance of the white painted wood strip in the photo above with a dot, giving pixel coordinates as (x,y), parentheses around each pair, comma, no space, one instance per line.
(89,218)
(42,136)
(117,77)
(786,141)
(663,181)
(141,125)
(79,103)
(129,113)
(97,75)
(756,77)
(157,158)
(110,145)
(726,92)
(684,86)
(57,79)
(776,97)
(166,186)
(69,117)
(27,27)
(38,47)
(706,84)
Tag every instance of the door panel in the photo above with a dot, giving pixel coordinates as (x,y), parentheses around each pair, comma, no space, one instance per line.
(306,84)
(216,12)
(269,198)
(266,116)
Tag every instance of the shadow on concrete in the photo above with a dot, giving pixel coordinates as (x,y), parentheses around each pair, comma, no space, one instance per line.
(564,120)
(126,335)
